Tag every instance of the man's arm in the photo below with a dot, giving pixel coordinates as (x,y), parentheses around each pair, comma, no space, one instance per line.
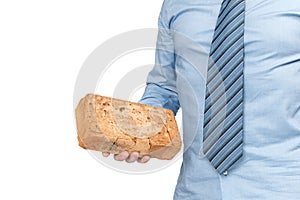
(161,81)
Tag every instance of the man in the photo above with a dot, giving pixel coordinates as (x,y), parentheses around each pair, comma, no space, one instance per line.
(268,167)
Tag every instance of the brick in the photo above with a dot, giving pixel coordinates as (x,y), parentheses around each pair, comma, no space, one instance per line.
(112,125)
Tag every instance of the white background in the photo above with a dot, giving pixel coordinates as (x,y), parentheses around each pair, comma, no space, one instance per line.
(42,47)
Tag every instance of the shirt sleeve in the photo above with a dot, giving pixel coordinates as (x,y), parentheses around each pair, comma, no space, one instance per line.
(161,81)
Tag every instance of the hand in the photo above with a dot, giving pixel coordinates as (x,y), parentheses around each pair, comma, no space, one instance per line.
(128,157)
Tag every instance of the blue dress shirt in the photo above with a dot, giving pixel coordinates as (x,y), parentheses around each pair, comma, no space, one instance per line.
(270,168)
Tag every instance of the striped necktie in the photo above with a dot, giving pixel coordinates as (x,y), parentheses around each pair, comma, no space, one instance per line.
(223,116)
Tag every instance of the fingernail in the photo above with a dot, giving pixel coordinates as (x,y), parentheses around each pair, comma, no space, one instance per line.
(144,159)
(105,154)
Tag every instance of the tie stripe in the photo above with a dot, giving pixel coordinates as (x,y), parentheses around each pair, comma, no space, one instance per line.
(229,22)
(213,138)
(236,60)
(223,115)
(217,118)
(215,83)
(236,86)
(225,138)
(227,149)
(226,9)
(231,158)
(230,40)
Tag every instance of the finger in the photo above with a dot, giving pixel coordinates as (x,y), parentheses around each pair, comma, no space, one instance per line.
(132,157)
(105,154)
(121,156)
(144,159)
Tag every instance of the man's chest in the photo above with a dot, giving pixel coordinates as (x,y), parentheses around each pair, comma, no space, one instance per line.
(271,27)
